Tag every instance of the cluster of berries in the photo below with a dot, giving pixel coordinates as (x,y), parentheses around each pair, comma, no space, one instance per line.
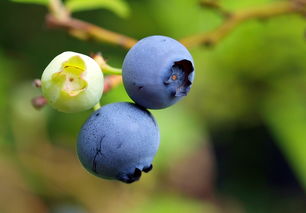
(120,140)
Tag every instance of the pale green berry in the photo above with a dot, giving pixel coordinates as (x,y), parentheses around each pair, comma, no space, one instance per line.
(72,82)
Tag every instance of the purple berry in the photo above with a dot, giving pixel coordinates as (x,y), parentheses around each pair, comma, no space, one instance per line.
(118,141)
(157,72)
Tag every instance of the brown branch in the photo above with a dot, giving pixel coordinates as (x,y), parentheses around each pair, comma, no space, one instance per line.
(59,17)
(210,3)
(215,5)
(85,30)
(270,10)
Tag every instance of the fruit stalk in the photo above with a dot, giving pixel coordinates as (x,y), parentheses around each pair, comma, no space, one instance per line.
(106,69)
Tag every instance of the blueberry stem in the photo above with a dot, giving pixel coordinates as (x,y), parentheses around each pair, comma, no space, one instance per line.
(97,106)
(106,69)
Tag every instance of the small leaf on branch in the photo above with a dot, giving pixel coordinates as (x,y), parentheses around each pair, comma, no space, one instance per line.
(120,7)
(41,2)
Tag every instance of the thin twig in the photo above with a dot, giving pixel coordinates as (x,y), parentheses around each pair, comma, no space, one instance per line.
(213,4)
(113,78)
(106,68)
(267,11)
(87,31)
(58,10)
(60,17)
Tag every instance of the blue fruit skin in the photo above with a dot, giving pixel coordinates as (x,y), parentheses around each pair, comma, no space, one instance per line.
(148,69)
(118,141)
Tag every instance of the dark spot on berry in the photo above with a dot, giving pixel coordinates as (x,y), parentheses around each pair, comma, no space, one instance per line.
(119,146)
(147,169)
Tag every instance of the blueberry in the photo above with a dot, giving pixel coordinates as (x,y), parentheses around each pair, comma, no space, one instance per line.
(118,141)
(157,72)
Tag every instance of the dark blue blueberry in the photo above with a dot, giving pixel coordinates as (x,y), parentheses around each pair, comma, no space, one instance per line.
(157,72)
(118,141)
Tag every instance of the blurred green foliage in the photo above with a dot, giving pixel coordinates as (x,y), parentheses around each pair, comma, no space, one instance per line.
(119,7)
(42,2)
(256,76)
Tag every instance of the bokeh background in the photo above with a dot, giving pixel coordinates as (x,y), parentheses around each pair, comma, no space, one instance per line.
(236,144)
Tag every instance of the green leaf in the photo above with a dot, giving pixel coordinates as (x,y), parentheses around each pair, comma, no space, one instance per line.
(119,7)
(181,134)
(163,202)
(41,2)
(285,114)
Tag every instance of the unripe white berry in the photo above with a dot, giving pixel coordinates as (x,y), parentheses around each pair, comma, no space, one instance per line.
(72,82)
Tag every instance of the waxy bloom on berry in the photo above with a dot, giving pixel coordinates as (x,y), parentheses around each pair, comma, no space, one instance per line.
(72,82)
